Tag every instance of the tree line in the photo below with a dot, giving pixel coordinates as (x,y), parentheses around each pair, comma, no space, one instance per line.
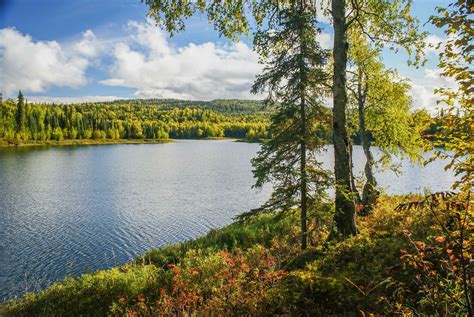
(21,121)
(233,106)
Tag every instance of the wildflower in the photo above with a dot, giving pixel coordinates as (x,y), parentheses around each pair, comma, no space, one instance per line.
(229,261)
(449,251)
(455,268)
(244,267)
(223,254)
(440,239)
(420,244)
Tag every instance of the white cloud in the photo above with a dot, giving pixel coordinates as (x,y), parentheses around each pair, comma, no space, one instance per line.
(423,89)
(432,42)
(143,58)
(432,73)
(152,66)
(423,96)
(89,46)
(325,40)
(435,44)
(36,66)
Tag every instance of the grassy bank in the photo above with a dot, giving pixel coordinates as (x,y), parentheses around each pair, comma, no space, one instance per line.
(257,269)
(4,143)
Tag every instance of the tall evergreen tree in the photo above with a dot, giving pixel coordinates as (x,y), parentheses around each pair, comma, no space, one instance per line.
(294,80)
(20,113)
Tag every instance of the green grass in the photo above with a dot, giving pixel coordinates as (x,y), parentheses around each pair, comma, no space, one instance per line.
(236,235)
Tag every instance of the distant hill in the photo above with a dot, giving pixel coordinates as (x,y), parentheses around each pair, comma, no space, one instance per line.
(220,105)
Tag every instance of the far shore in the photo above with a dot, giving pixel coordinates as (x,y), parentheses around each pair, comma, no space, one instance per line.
(4,144)
(84,142)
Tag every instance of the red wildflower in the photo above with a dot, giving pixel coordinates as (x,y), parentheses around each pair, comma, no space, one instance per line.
(420,244)
(245,267)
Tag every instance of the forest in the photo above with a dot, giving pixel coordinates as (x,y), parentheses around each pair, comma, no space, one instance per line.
(157,119)
(325,243)
(21,122)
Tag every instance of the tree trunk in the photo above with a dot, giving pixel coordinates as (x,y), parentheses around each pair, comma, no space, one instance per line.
(303,189)
(369,193)
(344,217)
(354,187)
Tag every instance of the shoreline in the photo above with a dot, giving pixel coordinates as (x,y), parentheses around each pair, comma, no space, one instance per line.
(5,144)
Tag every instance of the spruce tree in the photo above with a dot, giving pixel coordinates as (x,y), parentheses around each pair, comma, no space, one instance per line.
(20,113)
(294,79)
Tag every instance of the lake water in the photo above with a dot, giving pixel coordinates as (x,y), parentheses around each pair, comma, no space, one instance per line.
(75,209)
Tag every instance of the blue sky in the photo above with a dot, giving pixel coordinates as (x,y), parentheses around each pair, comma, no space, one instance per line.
(103,49)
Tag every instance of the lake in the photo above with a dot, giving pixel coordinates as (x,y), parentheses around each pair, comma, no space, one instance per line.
(75,209)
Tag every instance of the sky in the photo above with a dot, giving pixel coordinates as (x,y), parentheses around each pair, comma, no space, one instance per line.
(101,50)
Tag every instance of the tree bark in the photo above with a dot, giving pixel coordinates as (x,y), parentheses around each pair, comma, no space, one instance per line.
(303,189)
(354,187)
(369,193)
(344,217)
